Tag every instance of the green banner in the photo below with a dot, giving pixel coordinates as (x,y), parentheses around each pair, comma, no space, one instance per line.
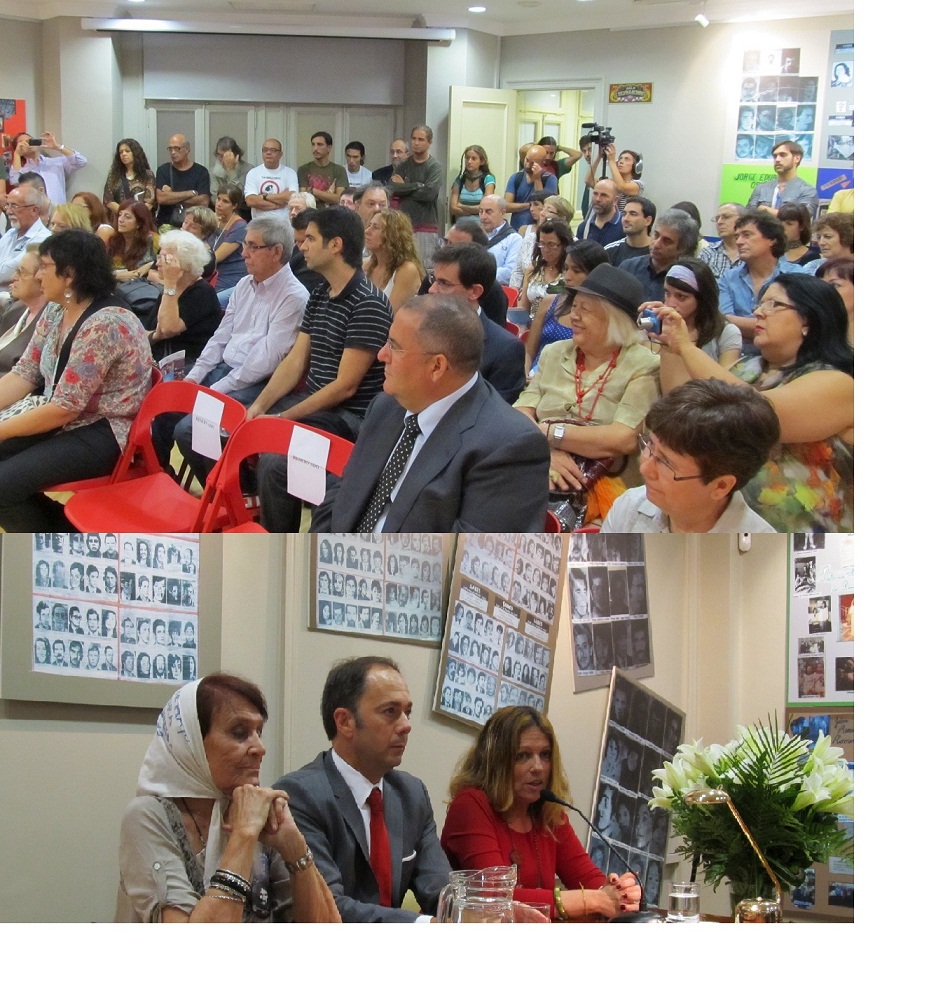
(738,180)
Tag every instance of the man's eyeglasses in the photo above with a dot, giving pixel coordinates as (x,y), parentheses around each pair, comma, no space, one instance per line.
(248,248)
(648,450)
(176,147)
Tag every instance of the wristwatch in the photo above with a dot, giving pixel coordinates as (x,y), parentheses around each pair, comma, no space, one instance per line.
(558,431)
(169,291)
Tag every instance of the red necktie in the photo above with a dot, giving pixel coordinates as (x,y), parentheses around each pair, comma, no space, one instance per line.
(380,847)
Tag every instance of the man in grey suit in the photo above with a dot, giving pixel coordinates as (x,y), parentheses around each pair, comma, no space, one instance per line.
(366,710)
(440,451)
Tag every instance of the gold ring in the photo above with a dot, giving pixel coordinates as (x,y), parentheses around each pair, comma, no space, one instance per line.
(554,476)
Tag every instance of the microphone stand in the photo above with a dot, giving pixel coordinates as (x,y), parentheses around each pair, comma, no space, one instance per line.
(642,916)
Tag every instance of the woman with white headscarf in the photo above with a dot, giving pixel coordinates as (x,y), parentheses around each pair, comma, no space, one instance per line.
(202,841)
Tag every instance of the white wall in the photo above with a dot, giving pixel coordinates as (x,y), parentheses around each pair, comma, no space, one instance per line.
(683,134)
(67,771)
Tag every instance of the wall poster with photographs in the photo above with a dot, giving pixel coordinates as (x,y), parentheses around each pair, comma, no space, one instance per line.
(107,618)
(821,619)
(828,890)
(610,611)
(500,636)
(388,586)
(114,606)
(642,731)
(775,103)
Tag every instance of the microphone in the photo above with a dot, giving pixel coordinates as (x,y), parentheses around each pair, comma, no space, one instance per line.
(551,798)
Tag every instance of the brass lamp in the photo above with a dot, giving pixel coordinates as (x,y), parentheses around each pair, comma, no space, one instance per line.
(758,911)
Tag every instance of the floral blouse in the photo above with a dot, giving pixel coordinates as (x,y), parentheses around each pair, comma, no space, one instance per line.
(108,372)
(803,487)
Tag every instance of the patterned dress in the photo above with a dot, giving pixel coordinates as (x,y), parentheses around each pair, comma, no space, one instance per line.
(803,487)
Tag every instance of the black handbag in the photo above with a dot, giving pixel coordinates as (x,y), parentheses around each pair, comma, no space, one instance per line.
(140,296)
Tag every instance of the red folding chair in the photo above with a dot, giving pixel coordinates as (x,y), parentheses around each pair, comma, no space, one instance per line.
(512,327)
(151,501)
(225,508)
(552,522)
(512,295)
(97,482)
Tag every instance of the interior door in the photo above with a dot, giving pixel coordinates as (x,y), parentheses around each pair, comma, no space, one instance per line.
(487,117)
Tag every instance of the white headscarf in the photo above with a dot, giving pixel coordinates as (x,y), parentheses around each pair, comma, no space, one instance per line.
(175,765)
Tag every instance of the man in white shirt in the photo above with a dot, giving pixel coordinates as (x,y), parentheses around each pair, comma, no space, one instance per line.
(24,204)
(269,187)
(258,330)
(705,440)
(53,161)
(354,165)
(503,241)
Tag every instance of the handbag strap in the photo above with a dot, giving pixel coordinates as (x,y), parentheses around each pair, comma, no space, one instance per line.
(102,302)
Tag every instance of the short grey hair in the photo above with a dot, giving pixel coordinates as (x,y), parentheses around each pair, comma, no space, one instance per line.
(501,202)
(306,198)
(275,231)
(449,326)
(686,228)
(193,254)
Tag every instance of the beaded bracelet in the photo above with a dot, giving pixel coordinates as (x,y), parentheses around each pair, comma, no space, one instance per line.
(561,912)
(301,864)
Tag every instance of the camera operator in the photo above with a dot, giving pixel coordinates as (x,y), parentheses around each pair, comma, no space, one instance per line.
(624,170)
(53,161)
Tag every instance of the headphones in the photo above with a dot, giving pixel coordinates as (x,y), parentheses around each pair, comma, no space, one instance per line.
(638,161)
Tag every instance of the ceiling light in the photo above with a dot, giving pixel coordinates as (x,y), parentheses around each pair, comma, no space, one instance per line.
(476,10)
(702,20)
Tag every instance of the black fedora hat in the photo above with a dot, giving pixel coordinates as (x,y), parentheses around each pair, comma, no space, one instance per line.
(620,288)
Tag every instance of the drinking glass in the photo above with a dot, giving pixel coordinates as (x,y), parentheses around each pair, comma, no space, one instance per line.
(683,905)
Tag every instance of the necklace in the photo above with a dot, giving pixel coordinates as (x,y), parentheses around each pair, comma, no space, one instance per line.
(224,230)
(188,811)
(599,383)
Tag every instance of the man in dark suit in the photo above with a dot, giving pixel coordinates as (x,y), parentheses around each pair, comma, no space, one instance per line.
(465,270)
(441,451)
(366,710)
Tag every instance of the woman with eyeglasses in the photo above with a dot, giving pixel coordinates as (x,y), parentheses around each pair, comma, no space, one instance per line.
(90,360)
(554,238)
(806,371)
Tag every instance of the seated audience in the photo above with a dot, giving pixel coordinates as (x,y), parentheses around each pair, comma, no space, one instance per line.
(439,450)
(130,177)
(603,222)
(637,217)
(468,230)
(543,276)
(202,222)
(528,237)
(202,841)
(467,271)
(503,241)
(676,235)
(797,225)
(96,212)
(761,245)
(704,441)
(835,235)
(690,288)
(258,329)
(92,362)
(69,216)
(228,243)
(368,199)
(591,393)
(134,246)
(23,206)
(497,816)
(840,274)
(689,207)
(393,265)
(188,312)
(806,371)
(721,256)
(553,322)
(21,317)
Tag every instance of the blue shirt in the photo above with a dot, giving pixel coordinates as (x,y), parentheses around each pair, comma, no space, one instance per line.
(736,289)
(608,234)
(521,189)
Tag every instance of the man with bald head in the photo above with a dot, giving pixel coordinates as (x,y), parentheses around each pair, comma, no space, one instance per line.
(503,241)
(603,223)
(399,149)
(180,182)
(531,178)
(270,186)
(440,450)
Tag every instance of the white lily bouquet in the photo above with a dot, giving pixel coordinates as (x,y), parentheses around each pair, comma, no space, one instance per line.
(789,792)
